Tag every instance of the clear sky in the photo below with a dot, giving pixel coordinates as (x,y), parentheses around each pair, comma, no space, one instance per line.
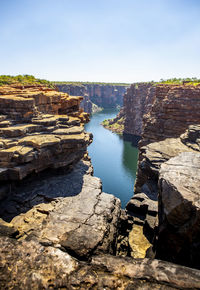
(100,40)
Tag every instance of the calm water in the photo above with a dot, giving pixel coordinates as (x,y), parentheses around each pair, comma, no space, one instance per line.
(114,160)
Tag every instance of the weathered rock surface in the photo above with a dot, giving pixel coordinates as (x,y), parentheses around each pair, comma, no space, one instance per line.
(191,138)
(179,215)
(152,157)
(175,107)
(78,90)
(67,211)
(137,102)
(30,265)
(40,129)
(169,117)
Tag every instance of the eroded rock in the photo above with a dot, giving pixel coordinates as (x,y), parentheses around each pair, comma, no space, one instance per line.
(30,265)
(179,216)
(68,211)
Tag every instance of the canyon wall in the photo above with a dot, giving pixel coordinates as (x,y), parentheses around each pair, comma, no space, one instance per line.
(39,129)
(48,195)
(137,102)
(163,175)
(57,228)
(102,95)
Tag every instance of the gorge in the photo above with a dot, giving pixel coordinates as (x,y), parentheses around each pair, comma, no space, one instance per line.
(58,229)
(96,95)
(114,160)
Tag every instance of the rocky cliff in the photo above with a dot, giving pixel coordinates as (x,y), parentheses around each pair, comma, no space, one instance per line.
(102,95)
(137,102)
(57,227)
(39,129)
(174,109)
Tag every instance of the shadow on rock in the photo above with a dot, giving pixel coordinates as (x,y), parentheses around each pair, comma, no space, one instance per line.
(43,188)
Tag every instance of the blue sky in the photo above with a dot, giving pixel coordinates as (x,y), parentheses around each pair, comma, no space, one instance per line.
(100,40)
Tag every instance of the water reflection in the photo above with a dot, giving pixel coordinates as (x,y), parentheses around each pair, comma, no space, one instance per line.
(130,157)
(114,160)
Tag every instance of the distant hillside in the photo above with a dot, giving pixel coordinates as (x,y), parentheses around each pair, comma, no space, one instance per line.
(89,83)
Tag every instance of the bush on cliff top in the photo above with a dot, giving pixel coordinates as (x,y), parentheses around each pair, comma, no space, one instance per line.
(180,81)
(23,79)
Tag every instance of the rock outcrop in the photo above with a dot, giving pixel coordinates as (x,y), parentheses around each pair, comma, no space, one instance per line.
(174,109)
(101,95)
(169,117)
(30,265)
(57,227)
(79,90)
(39,129)
(179,214)
(66,210)
(51,136)
(137,102)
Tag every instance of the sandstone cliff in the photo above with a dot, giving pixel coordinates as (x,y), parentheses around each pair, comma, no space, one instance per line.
(174,109)
(137,102)
(53,221)
(42,132)
(102,95)
(39,129)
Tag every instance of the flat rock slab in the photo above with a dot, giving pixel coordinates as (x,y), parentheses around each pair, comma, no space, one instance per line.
(69,211)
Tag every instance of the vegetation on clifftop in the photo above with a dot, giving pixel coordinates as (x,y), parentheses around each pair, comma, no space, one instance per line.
(89,83)
(24,80)
(180,81)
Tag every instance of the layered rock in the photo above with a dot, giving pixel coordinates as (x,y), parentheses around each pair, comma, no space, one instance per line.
(174,109)
(78,90)
(169,117)
(39,129)
(106,96)
(137,102)
(101,95)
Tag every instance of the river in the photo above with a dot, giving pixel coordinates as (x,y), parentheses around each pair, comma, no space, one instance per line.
(114,160)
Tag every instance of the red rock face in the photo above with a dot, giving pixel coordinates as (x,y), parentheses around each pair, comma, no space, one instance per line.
(137,102)
(175,108)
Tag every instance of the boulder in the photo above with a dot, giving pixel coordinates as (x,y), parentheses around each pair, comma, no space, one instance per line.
(179,210)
